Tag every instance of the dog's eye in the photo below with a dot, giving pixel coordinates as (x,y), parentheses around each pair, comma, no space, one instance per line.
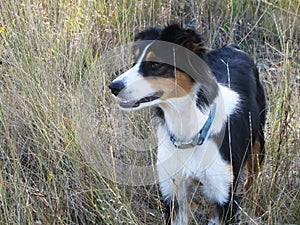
(155,66)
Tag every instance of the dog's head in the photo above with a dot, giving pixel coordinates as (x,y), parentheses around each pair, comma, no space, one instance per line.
(163,67)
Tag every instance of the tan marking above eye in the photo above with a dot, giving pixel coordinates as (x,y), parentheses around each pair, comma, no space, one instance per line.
(150,56)
(172,87)
(136,53)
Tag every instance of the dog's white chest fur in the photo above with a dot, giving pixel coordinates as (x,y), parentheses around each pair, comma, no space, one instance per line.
(179,168)
(204,163)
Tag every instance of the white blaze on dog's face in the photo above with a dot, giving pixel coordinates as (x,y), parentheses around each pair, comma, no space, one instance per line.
(150,81)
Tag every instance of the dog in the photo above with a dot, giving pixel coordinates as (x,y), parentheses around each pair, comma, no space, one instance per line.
(212,110)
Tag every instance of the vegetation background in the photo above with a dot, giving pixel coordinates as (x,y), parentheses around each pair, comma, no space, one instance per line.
(54,72)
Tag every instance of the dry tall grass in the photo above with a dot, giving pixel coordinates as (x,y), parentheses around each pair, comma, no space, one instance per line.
(56,113)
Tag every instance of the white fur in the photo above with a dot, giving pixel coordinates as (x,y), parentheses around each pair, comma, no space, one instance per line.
(182,113)
(177,166)
(202,162)
(227,103)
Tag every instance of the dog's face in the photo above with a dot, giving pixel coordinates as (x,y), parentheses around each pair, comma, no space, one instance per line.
(150,81)
(154,77)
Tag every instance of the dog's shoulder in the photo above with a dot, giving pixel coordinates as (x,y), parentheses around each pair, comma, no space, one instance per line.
(229,54)
(233,66)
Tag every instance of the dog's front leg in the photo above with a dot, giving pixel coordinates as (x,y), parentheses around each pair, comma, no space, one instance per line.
(174,192)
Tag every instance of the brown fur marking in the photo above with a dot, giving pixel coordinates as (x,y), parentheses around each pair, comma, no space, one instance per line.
(252,164)
(150,56)
(176,87)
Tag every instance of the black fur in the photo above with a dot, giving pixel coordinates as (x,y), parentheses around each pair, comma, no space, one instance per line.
(243,77)
(152,33)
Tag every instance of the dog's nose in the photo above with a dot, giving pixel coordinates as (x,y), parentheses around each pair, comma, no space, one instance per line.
(116,87)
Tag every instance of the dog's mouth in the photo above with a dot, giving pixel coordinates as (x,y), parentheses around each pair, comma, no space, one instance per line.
(136,103)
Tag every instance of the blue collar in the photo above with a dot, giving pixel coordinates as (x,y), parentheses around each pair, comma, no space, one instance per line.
(199,138)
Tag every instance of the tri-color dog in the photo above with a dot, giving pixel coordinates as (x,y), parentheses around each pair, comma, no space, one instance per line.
(211,106)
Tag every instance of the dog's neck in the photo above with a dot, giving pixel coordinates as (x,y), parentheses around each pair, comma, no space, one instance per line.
(184,119)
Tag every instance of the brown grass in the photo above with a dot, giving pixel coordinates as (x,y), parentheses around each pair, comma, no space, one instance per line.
(60,139)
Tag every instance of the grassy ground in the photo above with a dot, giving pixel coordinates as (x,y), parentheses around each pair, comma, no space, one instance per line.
(60,131)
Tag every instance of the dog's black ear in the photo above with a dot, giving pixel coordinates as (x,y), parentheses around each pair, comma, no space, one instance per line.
(188,38)
(152,33)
